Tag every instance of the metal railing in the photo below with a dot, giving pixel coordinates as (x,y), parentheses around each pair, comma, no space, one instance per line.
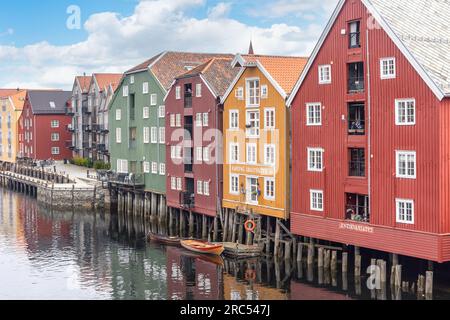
(355,40)
(357,168)
(355,84)
(357,213)
(127,179)
(187,200)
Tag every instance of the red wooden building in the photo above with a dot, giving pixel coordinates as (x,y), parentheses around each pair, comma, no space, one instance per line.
(371,130)
(42,125)
(194,137)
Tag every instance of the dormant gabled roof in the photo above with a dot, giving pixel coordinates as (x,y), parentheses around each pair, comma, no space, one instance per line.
(84,82)
(41,101)
(420,29)
(104,80)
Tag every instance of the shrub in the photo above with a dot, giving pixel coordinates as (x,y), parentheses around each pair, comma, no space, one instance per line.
(100,165)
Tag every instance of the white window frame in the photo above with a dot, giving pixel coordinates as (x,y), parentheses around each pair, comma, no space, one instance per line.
(233,147)
(257,93)
(205,119)
(162,135)
(162,111)
(173,183)
(248,148)
(146,135)
(153,99)
(154,168)
(55,136)
(234,126)
(146,167)
(145,88)
(178,120)
(119,135)
(312,194)
(54,124)
(405,202)
(178,92)
(383,75)
(131,79)
(267,160)
(239,93)
(255,129)
(206,154)
(200,187)
(199,154)
(122,166)
(232,190)
(162,169)
(118,114)
(55,151)
(397,112)
(264,91)
(179,184)
(206,188)
(312,166)
(125,91)
(198,120)
(313,121)
(399,154)
(146,113)
(198,90)
(154,135)
(269,114)
(172,120)
(321,74)
(266,195)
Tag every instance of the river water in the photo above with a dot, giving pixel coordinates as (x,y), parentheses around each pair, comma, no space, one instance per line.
(87,255)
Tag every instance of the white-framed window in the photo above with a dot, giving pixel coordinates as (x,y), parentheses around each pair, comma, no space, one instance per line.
(154,168)
(315,159)
(153,99)
(406,164)
(325,74)
(178,92)
(173,183)
(145,88)
(313,114)
(199,187)
(253,92)
(234,119)
(264,92)
(198,90)
(405,112)
(206,154)
(162,135)
(239,93)
(234,184)
(118,135)
(118,114)
(269,188)
(178,152)
(125,91)
(162,169)
(55,150)
(234,152)
(198,119)
(387,68)
(269,154)
(316,200)
(55,136)
(146,135)
(269,118)
(206,188)
(205,119)
(179,184)
(172,120)
(251,153)
(253,124)
(54,124)
(199,154)
(122,166)
(131,79)
(146,112)
(162,111)
(405,211)
(146,167)
(154,135)
(178,120)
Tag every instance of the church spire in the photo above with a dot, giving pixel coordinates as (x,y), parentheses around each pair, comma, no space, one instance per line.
(250,49)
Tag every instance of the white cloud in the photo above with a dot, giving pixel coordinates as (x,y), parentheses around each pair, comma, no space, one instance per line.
(299,8)
(115,43)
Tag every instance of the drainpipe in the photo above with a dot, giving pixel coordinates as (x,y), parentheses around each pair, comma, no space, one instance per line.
(369,142)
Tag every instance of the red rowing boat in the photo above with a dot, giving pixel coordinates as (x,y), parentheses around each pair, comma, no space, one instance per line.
(172,241)
(203,247)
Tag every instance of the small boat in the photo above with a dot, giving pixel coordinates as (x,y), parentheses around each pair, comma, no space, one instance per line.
(241,250)
(172,241)
(217,260)
(203,247)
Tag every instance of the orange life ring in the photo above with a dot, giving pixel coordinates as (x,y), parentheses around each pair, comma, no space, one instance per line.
(250,274)
(250,225)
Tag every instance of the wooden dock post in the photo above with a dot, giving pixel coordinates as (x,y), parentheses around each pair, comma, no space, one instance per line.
(241,229)
(398,275)
(287,250)
(320,257)
(420,285)
(276,250)
(204,227)
(233,227)
(216,229)
(300,252)
(310,253)
(268,235)
(429,285)
(191,224)
(333,262)
(225,225)
(182,224)
(358,265)
(344,262)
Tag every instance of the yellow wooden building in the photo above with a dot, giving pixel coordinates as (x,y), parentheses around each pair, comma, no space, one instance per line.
(256,136)
(11,107)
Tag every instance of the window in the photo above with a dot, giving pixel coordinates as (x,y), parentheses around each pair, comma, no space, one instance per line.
(55,124)
(387,68)
(239,93)
(406,164)
(198,120)
(234,184)
(355,34)
(162,111)
(199,187)
(146,135)
(162,135)
(199,154)
(146,166)
(357,165)
(179,184)
(132,80)
(206,188)
(118,114)
(234,119)
(178,92)
(253,124)
(146,112)
(269,188)
(405,112)
(405,211)
(145,88)
(313,114)
(355,77)
(264,92)
(154,135)
(154,168)
(325,74)
(205,119)
(251,153)
(122,166)
(234,153)
(162,169)
(316,197)
(172,120)
(198,90)
(269,154)
(55,136)
(206,155)
(173,183)
(253,93)
(153,99)
(125,91)
(118,135)
(356,119)
(269,119)
(178,120)
(315,159)
(52,104)
(55,150)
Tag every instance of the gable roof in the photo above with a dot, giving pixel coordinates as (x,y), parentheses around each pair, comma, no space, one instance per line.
(5,93)
(417,27)
(217,73)
(40,101)
(104,80)
(84,82)
(18,99)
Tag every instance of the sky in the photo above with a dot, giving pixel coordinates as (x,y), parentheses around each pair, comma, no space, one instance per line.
(46,43)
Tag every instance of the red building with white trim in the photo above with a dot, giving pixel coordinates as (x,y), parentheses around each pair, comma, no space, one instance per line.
(371,130)
(43,125)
